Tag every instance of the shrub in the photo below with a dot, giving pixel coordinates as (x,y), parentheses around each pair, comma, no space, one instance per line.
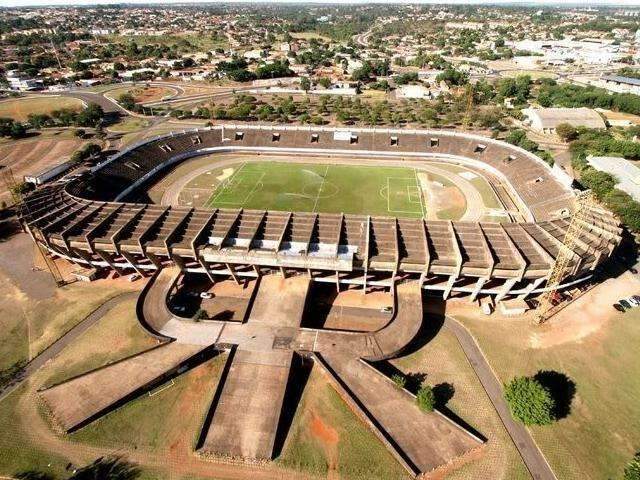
(426,398)
(399,380)
(567,132)
(632,469)
(529,401)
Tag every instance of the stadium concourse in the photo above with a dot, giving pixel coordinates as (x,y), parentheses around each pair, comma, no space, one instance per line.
(86,220)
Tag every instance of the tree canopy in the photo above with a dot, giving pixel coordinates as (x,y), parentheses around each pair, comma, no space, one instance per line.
(529,401)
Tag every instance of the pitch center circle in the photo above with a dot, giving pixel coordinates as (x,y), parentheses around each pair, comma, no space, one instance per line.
(325,190)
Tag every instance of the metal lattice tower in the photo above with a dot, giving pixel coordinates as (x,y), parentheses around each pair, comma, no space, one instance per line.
(562,266)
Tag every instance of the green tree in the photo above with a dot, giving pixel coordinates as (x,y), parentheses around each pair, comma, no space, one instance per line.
(426,399)
(127,101)
(529,401)
(567,132)
(324,82)
(305,84)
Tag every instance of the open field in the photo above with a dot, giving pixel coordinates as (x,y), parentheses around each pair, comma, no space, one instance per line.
(120,336)
(21,108)
(602,430)
(534,74)
(35,154)
(142,93)
(444,364)
(327,439)
(129,124)
(323,188)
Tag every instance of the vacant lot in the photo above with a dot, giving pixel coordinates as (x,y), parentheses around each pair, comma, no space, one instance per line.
(21,108)
(601,431)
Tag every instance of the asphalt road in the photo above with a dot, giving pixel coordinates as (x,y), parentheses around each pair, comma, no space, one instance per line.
(55,348)
(529,451)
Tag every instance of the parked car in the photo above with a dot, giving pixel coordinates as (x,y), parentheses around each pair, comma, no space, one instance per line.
(625,304)
(636,298)
(386,309)
(206,295)
(133,277)
(633,301)
(618,307)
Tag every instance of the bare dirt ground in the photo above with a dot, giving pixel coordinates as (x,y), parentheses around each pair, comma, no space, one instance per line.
(585,316)
(588,314)
(33,155)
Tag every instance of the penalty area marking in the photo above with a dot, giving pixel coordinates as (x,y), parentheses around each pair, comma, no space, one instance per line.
(402,193)
(155,392)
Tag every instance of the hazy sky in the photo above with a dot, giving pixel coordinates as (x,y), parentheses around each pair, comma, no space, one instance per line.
(13,3)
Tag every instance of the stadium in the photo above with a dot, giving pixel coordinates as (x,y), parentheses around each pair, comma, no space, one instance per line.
(88,220)
(288,209)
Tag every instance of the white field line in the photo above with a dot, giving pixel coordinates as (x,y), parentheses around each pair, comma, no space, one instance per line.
(223,186)
(315,204)
(155,392)
(422,206)
(389,209)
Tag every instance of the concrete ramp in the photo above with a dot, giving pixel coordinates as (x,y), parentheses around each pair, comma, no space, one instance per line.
(422,442)
(249,402)
(246,417)
(394,338)
(82,399)
(280,301)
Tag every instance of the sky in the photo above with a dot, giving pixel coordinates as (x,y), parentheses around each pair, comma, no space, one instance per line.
(21,3)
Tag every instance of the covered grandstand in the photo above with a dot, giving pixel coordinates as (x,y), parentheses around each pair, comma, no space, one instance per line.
(88,220)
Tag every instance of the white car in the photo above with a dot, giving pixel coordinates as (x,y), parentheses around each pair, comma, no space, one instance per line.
(133,277)
(633,301)
(206,295)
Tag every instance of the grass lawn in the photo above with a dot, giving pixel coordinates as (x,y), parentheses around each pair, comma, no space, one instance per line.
(51,318)
(20,108)
(17,453)
(328,437)
(321,188)
(129,124)
(443,362)
(534,74)
(171,416)
(117,335)
(602,431)
(141,93)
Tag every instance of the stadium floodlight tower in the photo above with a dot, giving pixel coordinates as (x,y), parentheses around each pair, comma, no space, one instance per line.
(561,268)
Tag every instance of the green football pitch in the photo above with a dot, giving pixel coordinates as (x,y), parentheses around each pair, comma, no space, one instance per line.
(392,191)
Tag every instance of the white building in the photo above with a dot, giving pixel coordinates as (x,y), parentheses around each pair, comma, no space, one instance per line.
(546,120)
(414,91)
(627,174)
(619,84)
(21,83)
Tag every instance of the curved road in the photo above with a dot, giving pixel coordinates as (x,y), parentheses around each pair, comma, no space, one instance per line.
(533,458)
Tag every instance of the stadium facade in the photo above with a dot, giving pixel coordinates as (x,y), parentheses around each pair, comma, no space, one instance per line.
(89,221)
